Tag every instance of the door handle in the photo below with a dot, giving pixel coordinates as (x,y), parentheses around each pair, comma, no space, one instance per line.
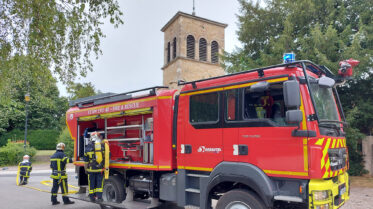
(250,136)
(188,148)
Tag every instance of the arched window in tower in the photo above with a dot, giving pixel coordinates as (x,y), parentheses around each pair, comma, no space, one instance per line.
(190,47)
(202,49)
(214,52)
(168,52)
(174,49)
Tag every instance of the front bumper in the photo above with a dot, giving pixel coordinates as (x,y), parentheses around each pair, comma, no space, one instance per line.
(337,190)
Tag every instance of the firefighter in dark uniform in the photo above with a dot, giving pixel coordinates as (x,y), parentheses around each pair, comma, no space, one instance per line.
(59,176)
(94,165)
(24,170)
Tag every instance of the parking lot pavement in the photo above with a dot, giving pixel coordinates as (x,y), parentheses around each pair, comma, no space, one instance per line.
(36,195)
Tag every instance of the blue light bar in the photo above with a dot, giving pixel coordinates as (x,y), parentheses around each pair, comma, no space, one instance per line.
(289,57)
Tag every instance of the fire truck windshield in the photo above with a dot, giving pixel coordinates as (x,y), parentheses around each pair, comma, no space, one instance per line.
(325,104)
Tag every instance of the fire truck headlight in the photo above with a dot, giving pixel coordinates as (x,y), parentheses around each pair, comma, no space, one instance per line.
(321,195)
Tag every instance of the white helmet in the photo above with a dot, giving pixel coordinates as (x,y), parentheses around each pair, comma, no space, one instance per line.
(60,146)
(95,137)
(26,158)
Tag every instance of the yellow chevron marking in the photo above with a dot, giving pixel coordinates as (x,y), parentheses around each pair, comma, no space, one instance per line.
(320,141)
(324,152)
(327,165)
(333,143)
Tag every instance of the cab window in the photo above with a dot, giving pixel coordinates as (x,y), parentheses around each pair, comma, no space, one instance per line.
(204,108)
(265,105)
(231,103)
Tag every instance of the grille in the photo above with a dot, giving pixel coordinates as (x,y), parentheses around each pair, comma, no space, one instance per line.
(338,158)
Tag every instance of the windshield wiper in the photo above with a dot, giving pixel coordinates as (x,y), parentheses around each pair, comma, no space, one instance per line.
(333,121)
(334,126)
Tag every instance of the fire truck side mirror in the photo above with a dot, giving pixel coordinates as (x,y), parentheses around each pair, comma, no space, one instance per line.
(291,94)
(326,82)
(294,116)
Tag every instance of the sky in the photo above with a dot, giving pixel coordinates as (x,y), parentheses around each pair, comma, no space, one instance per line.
(133,53)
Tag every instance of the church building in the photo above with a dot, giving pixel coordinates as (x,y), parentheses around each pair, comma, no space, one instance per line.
(192,46)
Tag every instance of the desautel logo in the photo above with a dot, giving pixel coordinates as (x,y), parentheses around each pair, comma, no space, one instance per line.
(208,149)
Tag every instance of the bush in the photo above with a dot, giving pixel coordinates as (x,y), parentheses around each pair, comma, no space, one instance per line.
(42,139)
(355,156)
(66,139)
(12,153)
(14,135)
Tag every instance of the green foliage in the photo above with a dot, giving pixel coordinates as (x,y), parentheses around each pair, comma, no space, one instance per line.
(12,153)
(324,31)
(43,139)
(356,158)
(80,90)
(357,100)
(45,108)
(66,139)
(40,139)
(60,35)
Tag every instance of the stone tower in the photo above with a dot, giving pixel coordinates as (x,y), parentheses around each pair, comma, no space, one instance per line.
(191,49)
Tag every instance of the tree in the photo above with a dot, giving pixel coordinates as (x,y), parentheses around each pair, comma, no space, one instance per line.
(56,35)
(80,90)
(45,107)
(324,31)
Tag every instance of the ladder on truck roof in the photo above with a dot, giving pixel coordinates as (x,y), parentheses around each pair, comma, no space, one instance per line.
(112,97)
(304,64)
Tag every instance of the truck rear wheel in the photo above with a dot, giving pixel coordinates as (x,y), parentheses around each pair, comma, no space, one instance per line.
(113,190)
(240,199)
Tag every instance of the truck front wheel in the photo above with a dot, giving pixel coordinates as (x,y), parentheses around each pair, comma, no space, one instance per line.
(240,199)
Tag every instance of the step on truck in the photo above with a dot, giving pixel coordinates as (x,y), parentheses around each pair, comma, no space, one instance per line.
(263,138)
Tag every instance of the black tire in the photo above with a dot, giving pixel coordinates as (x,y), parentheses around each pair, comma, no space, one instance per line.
(113,190)
(240,198)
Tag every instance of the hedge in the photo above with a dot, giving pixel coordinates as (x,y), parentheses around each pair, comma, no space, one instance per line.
(13,152)
(69,143)
(41,139)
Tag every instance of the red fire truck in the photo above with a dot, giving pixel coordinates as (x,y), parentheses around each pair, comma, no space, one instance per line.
(256,139)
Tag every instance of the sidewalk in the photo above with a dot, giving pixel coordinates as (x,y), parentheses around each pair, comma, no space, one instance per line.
(36,169)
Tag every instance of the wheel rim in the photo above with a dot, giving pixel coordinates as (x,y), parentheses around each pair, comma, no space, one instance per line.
(237,205)
(109,194)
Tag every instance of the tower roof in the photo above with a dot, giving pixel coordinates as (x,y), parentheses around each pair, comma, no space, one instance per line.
(178,14)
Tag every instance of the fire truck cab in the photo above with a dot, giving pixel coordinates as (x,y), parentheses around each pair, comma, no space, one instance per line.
(262,138)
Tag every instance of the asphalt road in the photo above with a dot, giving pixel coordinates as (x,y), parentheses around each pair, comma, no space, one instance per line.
(36,195)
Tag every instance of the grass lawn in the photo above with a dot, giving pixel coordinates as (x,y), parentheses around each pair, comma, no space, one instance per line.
(45,152)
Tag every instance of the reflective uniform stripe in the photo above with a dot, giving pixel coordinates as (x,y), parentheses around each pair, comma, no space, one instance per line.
(64,192)
(95,170)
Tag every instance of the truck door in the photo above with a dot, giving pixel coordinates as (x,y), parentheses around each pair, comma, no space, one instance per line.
(230,131)
(264,138)
(202,145)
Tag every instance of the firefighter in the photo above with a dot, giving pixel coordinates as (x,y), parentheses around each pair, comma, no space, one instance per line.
(94,158)
(24,168)
(59,176)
